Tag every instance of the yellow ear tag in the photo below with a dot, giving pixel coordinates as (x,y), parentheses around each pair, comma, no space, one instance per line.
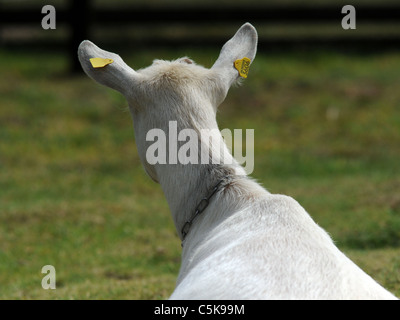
(100,62)
(243,66)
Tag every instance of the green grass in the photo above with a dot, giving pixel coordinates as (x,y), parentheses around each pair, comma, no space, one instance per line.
(74,195)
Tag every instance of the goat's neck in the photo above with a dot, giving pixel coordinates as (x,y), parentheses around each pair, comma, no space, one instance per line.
(185,185)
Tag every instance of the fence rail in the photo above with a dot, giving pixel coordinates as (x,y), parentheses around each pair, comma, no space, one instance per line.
(81,17)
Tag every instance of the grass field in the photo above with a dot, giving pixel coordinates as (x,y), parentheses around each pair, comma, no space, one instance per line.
(73,193)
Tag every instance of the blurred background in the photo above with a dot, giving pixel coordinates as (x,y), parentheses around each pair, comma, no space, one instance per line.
(170,23)
(324,103)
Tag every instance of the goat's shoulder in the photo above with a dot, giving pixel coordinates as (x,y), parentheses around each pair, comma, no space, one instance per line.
(250,197)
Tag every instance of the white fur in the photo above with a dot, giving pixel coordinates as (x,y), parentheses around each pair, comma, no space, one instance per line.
(249,243)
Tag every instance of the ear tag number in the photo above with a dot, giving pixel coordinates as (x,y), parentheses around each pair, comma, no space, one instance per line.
(100,62)
(243,66)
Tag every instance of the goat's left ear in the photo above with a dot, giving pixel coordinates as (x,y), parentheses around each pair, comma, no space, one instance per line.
(107,68)
(242,45)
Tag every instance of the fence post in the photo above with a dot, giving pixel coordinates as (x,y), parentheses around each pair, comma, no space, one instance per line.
(79,20)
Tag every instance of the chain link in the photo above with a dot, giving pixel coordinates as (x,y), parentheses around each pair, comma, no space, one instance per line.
(203,204)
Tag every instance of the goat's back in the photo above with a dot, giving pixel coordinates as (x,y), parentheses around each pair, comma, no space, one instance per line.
(273,250)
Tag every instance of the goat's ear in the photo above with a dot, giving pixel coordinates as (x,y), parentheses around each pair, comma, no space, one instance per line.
(242,45)
(108,69)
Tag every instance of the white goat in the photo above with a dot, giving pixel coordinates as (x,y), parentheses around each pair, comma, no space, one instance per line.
(248,243)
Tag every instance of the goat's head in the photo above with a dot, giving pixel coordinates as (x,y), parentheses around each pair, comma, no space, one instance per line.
(177,90)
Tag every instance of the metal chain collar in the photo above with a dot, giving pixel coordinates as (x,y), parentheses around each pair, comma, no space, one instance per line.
(203,204)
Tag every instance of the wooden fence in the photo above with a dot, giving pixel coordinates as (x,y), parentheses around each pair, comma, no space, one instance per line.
(81,17)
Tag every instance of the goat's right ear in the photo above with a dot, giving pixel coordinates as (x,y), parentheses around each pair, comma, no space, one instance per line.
(242,45)
(113,73)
